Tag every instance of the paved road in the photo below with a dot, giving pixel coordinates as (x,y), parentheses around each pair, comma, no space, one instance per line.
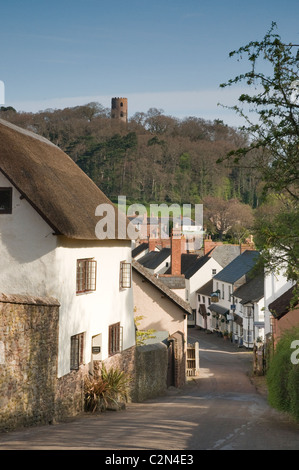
(220,410)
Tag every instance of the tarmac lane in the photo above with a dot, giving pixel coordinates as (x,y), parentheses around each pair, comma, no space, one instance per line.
(219,410)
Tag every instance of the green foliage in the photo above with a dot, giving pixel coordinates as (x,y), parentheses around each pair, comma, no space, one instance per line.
(111,388)
(153,158)
(283,376)
(142,335)
(273,143)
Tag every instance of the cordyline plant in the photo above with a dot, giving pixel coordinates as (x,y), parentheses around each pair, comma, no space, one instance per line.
(109,389)
(272,149)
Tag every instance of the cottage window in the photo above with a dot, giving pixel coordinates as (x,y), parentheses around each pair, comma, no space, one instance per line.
(5,200)
(214,271)
(125,275)
(247,311)
(115,339)
(86,275)
(77,350)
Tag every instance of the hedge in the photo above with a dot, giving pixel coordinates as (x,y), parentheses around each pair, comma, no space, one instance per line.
(283,375)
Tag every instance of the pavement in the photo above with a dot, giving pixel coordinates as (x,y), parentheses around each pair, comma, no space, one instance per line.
(221,409)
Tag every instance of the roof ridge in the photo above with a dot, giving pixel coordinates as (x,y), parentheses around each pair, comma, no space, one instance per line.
(161,286)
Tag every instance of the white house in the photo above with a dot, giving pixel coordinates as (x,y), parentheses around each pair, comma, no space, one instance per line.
(49,247)
(276,284)
(249,316)
(202,271)
(234,275)
(203,314)
(156,261)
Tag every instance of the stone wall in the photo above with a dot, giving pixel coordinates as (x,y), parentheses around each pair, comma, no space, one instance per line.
(147,367)
(30,392)
(28,360)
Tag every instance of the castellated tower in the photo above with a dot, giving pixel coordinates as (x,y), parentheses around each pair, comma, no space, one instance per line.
(119,109)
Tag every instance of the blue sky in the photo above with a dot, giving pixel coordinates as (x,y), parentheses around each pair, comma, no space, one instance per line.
(167,54)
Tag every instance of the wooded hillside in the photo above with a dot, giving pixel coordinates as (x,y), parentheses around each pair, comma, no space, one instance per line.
(154,158)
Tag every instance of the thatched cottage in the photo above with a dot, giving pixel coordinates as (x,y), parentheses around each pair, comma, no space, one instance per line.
(49,248)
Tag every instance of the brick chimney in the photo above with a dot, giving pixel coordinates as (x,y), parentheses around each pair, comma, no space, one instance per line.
(152,244)
(176,251)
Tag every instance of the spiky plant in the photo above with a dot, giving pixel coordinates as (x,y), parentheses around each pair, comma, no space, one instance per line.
(110,388)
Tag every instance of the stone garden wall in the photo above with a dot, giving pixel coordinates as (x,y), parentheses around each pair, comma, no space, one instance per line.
(30,392)
(28,360)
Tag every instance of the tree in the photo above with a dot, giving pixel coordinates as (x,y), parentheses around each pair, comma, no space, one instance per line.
(223,216)
(273,141)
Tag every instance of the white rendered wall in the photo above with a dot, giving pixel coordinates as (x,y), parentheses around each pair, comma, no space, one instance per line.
(27,248)
(36,262)
(93,312)
(274,286)
(200,278)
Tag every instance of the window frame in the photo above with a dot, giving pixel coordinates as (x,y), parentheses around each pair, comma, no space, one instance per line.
(115,334)
(125,278)
(77,351)
(7,189)
(88,281)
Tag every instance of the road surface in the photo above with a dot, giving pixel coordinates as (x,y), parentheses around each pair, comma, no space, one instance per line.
(220,410)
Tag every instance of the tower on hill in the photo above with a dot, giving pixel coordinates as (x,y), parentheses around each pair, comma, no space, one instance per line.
(119,109)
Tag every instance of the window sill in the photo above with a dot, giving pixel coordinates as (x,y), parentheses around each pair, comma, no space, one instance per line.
(85,292)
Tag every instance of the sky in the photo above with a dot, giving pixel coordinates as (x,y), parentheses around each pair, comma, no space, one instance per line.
(165,54)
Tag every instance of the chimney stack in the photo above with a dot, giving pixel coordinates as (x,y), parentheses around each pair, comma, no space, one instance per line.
(176,251)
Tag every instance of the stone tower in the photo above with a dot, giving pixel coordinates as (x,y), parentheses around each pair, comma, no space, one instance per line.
(119,109)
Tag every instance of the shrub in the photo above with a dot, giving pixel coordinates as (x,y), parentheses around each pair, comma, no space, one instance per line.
(283,376)
(108,390)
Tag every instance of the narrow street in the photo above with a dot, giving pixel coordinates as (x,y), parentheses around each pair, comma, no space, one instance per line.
(220,410)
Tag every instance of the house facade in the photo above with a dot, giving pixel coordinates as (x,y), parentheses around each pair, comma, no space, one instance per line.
(276,284)
(285,315)
(249,317)
(223,307)
(158,308)
(49,248)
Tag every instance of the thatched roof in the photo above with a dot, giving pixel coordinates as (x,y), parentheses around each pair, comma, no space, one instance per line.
(52,183)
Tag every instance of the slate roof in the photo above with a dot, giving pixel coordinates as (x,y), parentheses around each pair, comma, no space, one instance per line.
(153,259)
(251,291)
(239,267)
(52,183)
(218,309)
(206,289)
(281,305)
(173,282)
(225,254)
(139,249)
(187,261)
(199,263)
(161,286)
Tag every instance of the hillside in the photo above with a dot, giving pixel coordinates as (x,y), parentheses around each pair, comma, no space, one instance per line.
(154,158)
